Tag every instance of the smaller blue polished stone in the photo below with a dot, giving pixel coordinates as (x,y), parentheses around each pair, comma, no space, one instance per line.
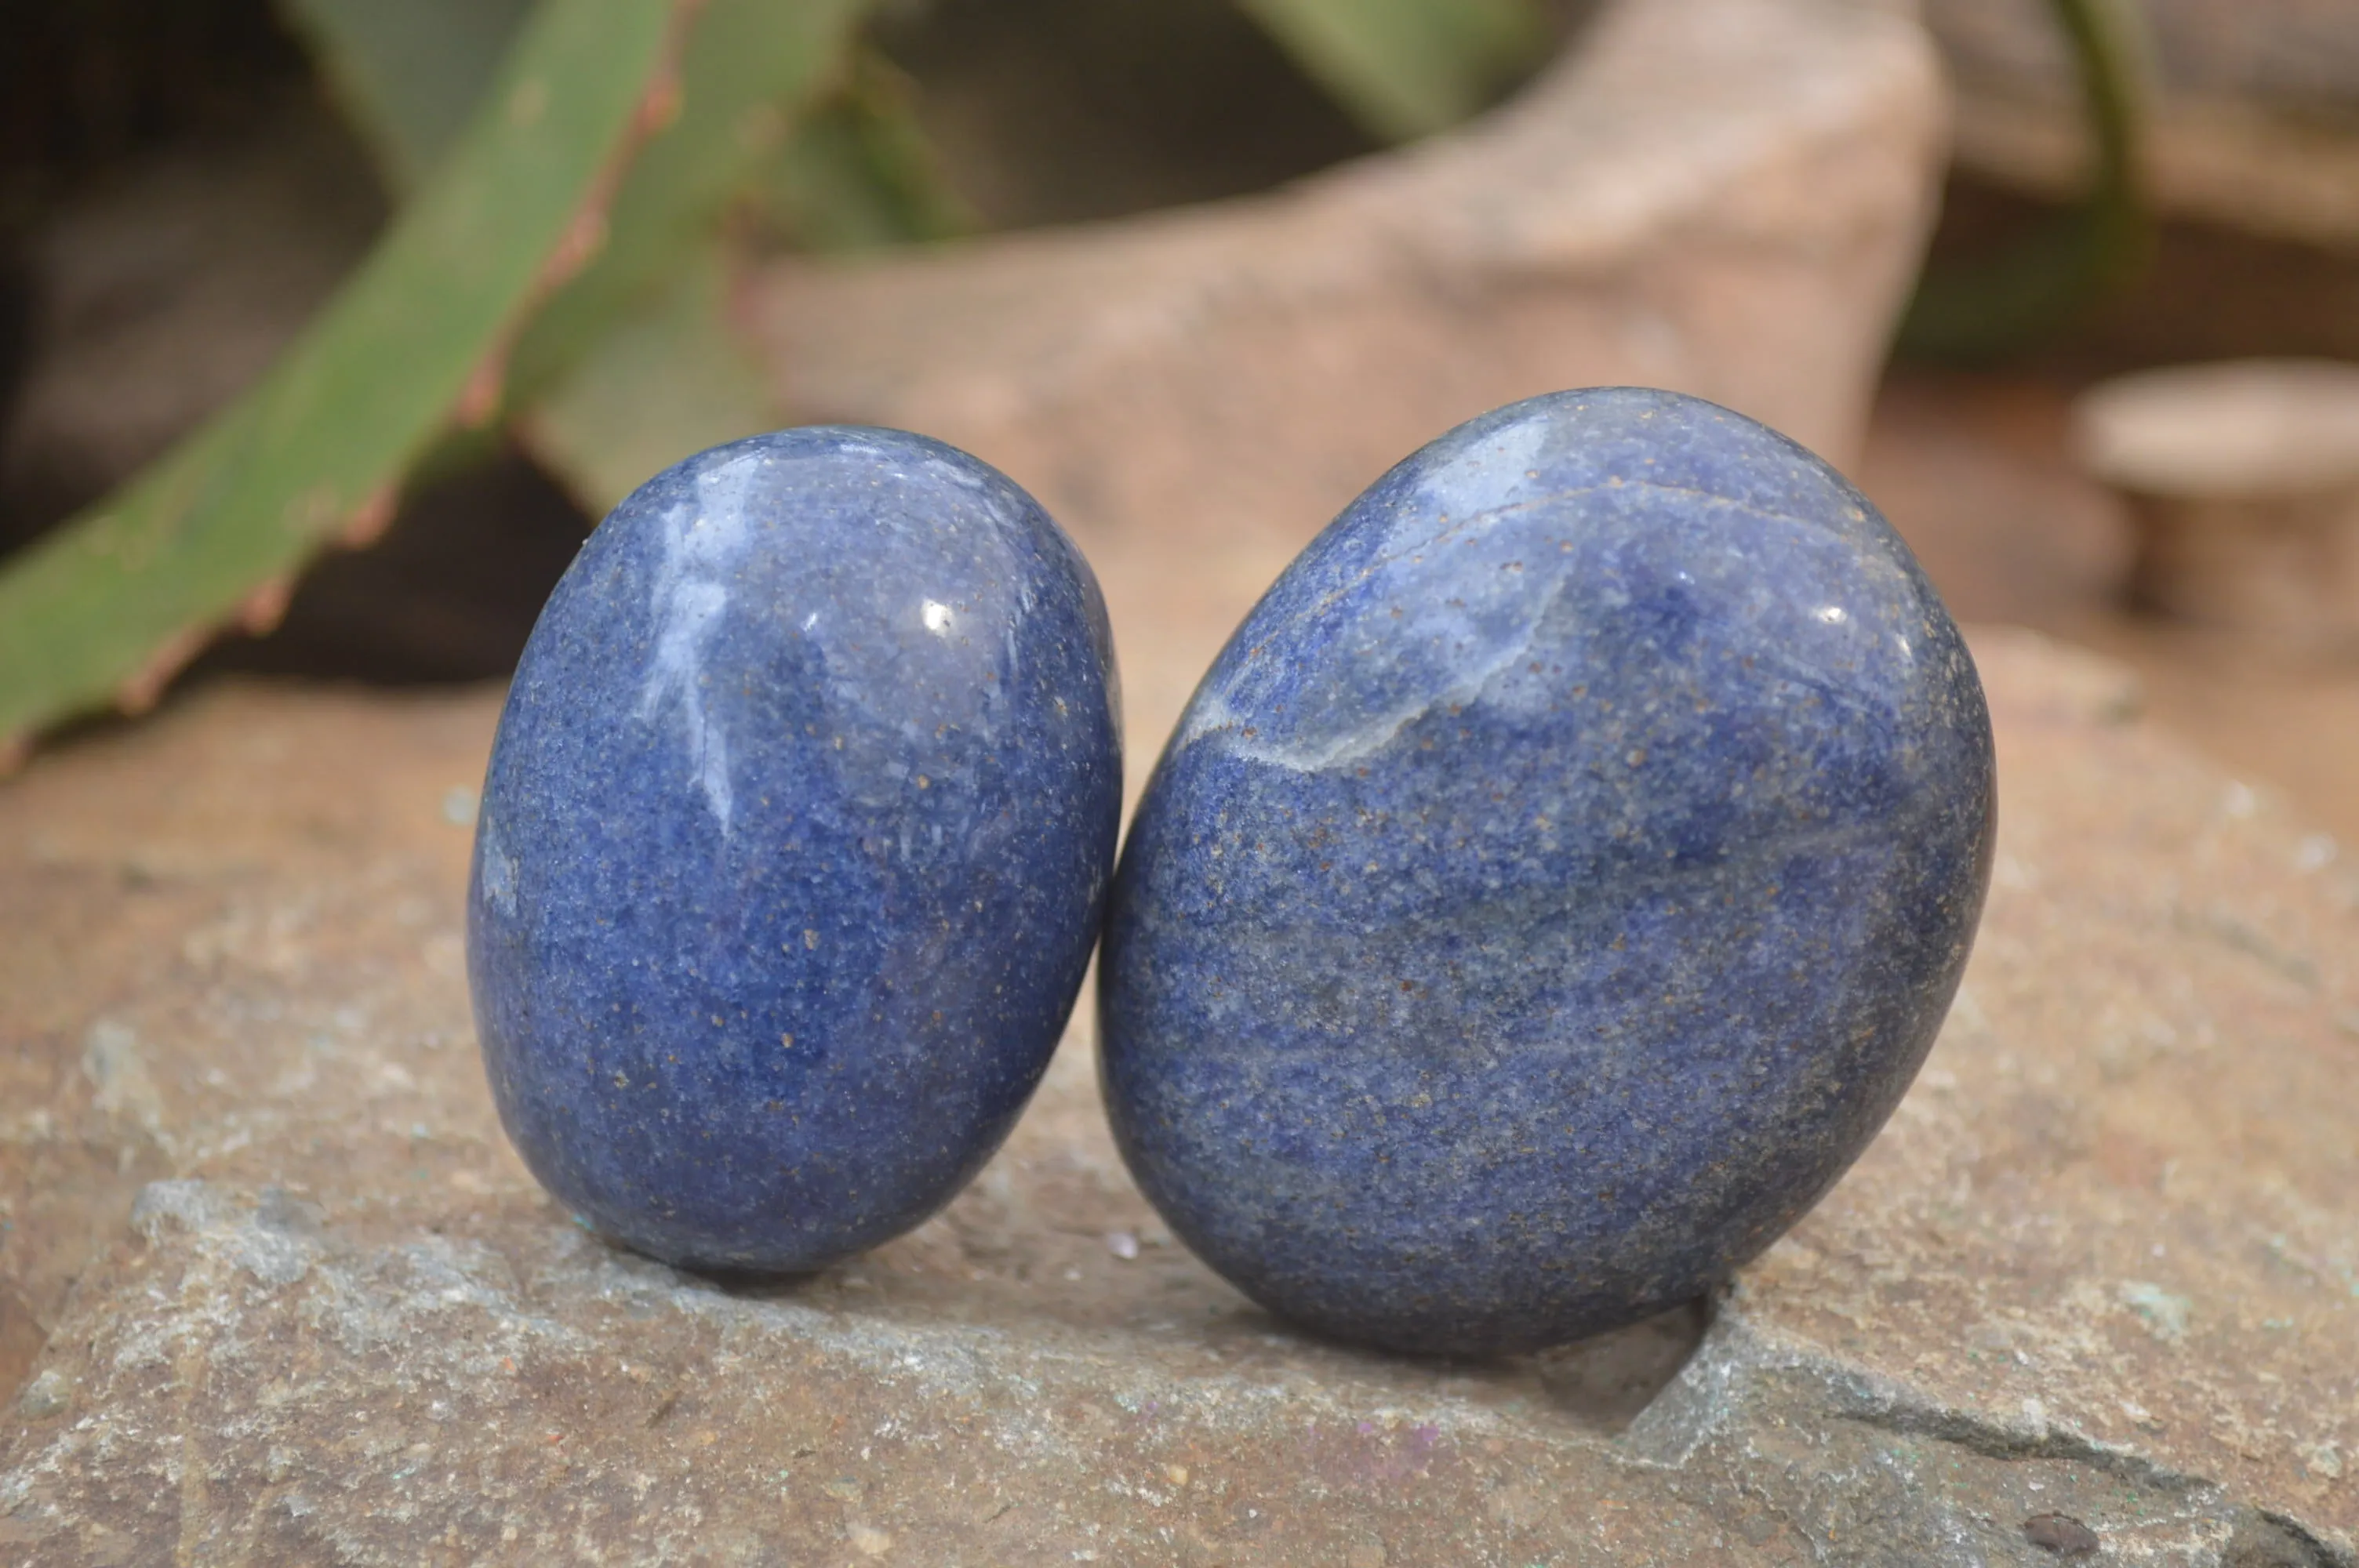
(793,846)
(1552,886)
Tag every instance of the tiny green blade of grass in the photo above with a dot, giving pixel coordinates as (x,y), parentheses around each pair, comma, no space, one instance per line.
(1406,68)
(105,608)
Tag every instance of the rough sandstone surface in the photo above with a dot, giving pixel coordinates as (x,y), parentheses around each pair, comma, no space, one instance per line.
(2104,1263)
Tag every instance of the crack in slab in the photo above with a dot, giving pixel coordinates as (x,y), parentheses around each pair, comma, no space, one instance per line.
(1717,1394)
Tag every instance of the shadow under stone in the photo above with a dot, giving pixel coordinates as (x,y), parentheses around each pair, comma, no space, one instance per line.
(1605,1382)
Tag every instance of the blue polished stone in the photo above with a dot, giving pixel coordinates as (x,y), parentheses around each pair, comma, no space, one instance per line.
(793,847)
(1552,886)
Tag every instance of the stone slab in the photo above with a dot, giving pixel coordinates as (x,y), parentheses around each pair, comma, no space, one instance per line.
(292,1299)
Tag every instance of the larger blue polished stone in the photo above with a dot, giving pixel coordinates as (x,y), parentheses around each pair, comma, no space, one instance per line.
(793,847)
(1553,885)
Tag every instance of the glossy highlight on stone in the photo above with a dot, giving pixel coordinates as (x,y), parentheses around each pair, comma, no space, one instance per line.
(793,846)
(1553,885)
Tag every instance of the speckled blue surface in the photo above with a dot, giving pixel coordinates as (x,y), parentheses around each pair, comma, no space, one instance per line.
(793,846)
(1553,885)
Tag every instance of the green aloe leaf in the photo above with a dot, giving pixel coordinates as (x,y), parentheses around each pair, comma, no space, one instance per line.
(1406,68)
(674,376)
(667,381)
(816,138)
(105,608)
(633,367)
(750,70)
(408,72)
(858,173)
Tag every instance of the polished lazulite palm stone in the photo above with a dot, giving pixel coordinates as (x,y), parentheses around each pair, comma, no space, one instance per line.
(793,846)
(1552,886)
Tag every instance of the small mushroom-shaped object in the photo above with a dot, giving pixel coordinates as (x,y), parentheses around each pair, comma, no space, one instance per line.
(2242,478)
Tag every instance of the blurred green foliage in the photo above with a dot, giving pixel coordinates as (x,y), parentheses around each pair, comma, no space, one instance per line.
(104,608)
(568,172)
(408,75)
(573,180)
(1406,68)
(2021,297)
